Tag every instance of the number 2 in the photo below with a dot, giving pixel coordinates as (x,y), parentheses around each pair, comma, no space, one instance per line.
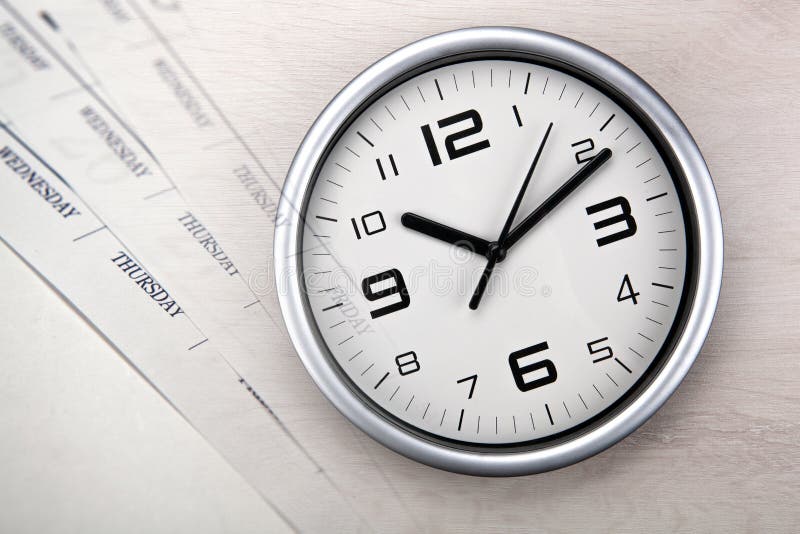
(588,146)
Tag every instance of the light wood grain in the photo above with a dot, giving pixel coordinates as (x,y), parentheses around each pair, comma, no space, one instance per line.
(722,454)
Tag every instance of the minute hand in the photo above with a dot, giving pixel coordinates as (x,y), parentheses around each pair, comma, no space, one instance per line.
(556,198)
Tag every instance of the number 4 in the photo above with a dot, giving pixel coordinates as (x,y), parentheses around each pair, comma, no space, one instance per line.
(626,286)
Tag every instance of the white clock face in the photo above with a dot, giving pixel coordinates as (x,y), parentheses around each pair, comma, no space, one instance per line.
(580,302)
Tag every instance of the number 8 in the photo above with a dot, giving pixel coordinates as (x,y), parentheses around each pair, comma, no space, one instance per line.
(406,361)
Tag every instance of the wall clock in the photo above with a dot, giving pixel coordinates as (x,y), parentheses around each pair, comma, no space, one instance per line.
(500,251)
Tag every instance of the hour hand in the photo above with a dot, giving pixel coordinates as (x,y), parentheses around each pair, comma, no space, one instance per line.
(445,233)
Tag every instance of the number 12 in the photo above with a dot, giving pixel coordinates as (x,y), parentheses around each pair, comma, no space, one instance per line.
(450,140)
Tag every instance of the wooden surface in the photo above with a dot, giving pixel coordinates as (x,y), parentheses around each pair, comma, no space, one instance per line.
(722,455)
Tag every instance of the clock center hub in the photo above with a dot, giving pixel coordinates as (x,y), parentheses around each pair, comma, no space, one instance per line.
(495,249)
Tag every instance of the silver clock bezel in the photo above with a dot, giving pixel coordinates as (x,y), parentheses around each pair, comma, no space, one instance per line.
(708,254)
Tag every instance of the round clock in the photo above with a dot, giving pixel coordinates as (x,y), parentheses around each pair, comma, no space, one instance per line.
(499,251)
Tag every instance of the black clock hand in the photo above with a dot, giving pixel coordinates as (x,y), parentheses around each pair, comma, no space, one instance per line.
(556,198)
(445,233)
(497,250)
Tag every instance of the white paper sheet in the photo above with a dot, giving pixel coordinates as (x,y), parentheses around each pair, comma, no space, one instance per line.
(135,62)
(44,107)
